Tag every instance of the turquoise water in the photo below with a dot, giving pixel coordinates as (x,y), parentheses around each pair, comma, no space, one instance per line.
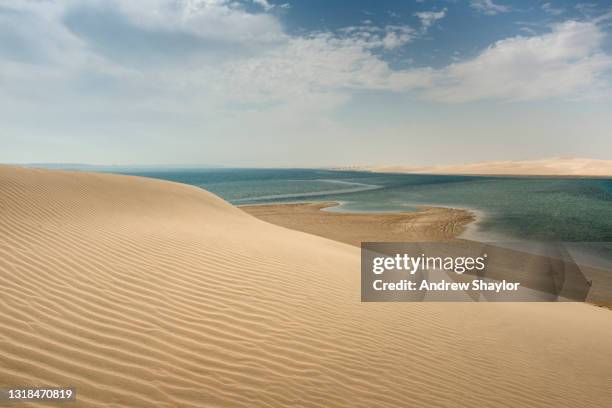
(533,208)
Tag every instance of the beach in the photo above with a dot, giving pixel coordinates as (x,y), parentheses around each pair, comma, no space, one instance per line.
(139,292)
(429,224)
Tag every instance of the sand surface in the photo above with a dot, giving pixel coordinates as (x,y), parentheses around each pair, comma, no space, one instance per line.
(145,293)
(558,166)
(430,224)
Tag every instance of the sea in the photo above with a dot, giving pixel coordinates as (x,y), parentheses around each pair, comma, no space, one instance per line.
(549,209)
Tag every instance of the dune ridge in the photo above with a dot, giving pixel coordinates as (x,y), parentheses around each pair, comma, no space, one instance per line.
(141,292)
(556,166)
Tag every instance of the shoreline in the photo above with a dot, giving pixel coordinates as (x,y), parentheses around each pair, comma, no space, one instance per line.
(494,175)
(570,167)
(431,224)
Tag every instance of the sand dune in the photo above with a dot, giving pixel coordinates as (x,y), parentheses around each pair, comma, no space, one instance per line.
(557,166)
(144,293)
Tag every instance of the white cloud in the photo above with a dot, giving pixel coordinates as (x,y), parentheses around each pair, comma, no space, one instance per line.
(488,7)
(586,8)
(264,4)
(221,19)
(528,30)
(310,72)
(428,18)
(396,36)
(604,19)
(369,36)
(552,10)
(567,62)
(271,85)
(329,66)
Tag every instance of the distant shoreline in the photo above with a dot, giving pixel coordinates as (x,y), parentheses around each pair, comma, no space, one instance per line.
(562,167)
(545,176)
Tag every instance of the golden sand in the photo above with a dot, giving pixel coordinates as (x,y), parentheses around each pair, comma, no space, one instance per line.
(146,293)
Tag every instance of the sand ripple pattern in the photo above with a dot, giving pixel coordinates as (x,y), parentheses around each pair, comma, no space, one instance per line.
(145,293)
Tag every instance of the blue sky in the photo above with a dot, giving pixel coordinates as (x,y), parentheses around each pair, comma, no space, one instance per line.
(303,83)
(464,29)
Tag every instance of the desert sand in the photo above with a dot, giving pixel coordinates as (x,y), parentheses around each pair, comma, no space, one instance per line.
(146,293)
(557,166)
(430,224)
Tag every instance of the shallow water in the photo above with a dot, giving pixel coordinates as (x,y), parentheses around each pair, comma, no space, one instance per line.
(534,208)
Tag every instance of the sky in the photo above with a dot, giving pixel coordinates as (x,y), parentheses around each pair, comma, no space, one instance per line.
(266,83)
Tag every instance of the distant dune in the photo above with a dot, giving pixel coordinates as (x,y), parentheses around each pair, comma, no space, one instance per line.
(559,166)
(145,293)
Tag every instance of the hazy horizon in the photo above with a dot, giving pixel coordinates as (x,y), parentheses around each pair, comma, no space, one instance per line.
(356,166)
(262,83)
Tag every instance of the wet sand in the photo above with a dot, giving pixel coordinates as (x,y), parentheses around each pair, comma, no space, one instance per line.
(429,225)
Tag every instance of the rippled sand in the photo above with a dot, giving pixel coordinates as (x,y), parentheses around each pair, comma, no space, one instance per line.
(146,293)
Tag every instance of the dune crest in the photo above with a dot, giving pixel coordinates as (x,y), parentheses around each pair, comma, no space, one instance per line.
(557,166)
(146,293)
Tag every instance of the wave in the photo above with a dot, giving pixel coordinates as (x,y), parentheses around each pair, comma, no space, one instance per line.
(362,187)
